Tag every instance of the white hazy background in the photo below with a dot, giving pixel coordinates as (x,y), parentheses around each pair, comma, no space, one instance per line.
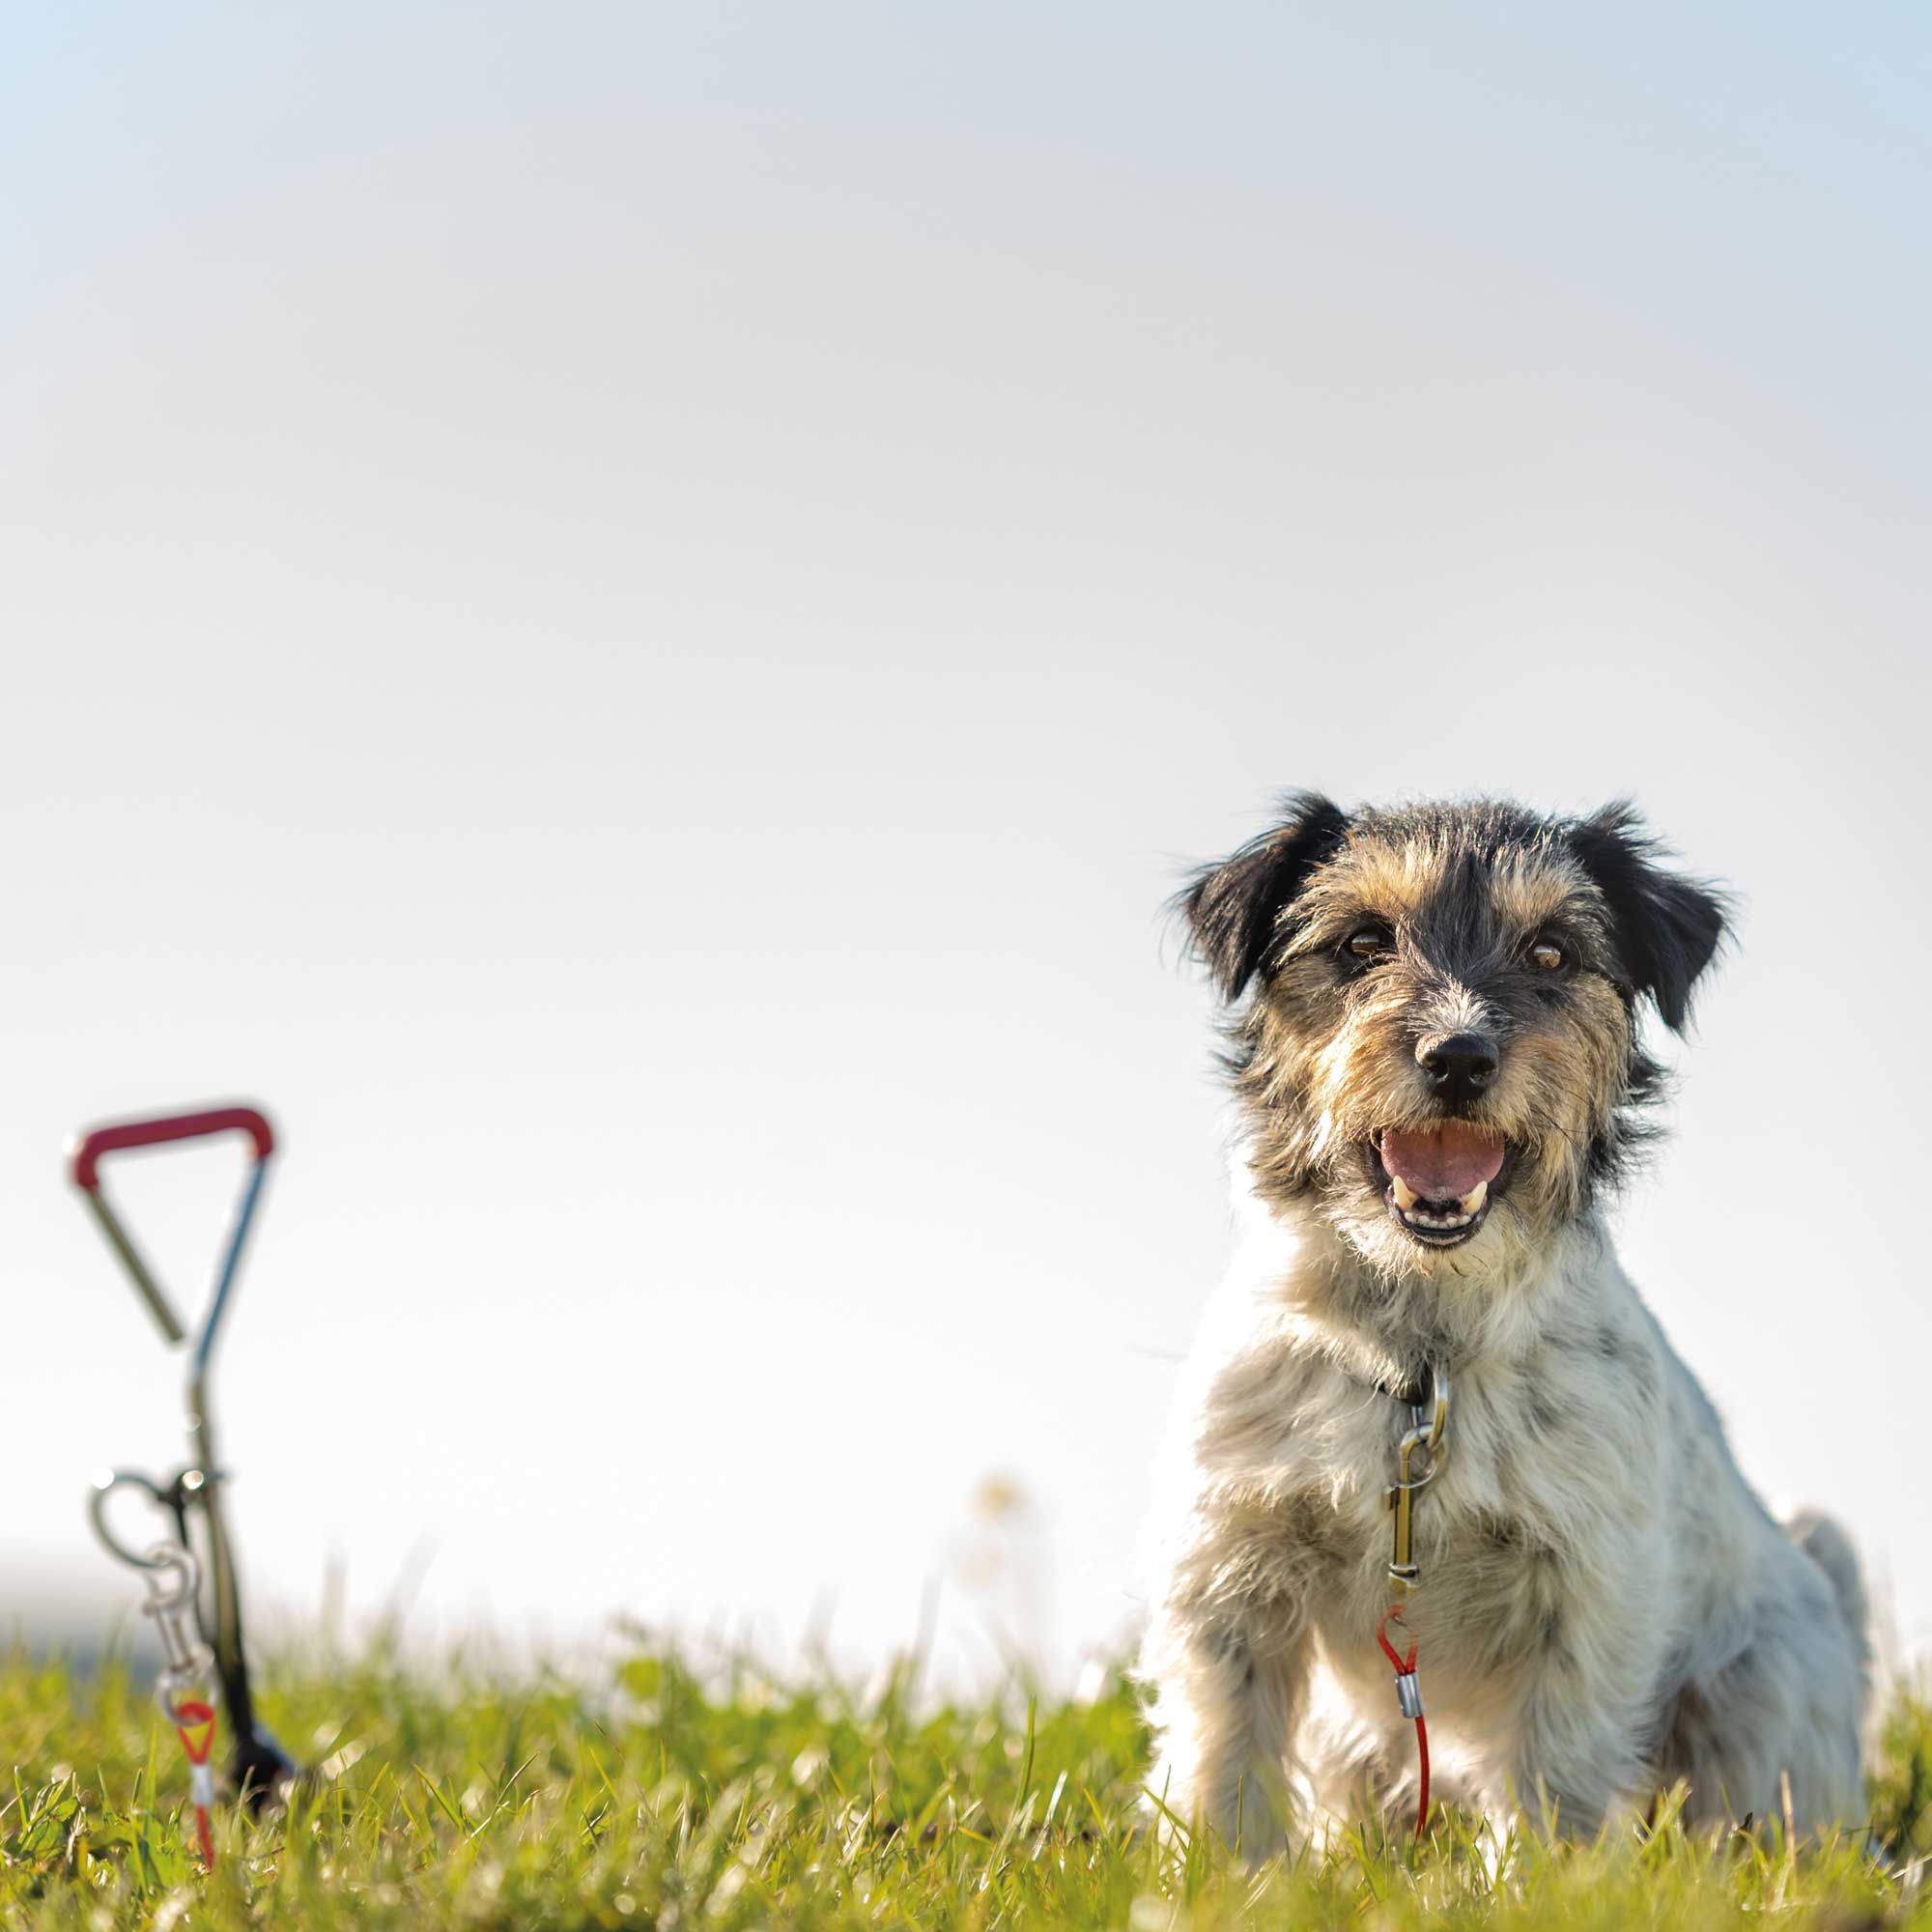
(626,613)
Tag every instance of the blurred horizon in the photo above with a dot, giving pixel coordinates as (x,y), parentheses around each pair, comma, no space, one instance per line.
(628,618)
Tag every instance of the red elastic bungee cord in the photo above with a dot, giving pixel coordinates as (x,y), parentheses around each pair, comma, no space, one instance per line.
(1408,1694)
(195,1721)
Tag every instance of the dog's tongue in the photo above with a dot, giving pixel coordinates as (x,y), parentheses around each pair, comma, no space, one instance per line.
(1445,1163)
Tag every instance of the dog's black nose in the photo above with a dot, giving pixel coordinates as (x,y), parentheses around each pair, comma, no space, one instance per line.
(1459,1064)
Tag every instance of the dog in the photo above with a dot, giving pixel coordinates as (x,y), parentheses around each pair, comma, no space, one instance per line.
(1435,1045)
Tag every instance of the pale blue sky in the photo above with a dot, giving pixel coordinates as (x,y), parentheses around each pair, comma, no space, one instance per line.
(626,613)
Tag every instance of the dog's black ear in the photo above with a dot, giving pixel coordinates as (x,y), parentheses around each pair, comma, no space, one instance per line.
(1668,927)
(1231,909)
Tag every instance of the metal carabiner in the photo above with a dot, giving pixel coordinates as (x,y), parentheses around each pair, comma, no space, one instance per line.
(1425,1439)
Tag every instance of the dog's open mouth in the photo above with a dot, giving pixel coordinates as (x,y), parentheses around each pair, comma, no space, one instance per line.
(1439,1180)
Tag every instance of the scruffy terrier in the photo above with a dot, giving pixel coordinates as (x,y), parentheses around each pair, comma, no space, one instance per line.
(1436,1050)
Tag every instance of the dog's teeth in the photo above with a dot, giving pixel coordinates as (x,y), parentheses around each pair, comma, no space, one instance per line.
(1474,1199)
(1405,1197)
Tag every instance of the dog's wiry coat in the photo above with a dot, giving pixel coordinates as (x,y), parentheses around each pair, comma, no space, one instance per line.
(1605,1605)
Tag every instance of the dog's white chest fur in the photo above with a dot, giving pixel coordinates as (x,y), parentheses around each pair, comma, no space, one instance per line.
(1600,1595)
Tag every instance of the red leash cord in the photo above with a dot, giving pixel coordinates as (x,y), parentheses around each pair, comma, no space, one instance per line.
(1408,1694)
(195,1721)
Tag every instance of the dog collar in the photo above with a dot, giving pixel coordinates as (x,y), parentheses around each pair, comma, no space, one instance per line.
(1413,1392)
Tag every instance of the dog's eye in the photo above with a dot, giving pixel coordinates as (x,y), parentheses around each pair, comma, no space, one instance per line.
(1548,955)
(1373,943)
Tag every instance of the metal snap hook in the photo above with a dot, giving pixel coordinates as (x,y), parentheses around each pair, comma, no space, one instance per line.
(1426,1439)
(173,1577)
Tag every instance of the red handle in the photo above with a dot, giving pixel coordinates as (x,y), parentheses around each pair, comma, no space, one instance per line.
(85,1153)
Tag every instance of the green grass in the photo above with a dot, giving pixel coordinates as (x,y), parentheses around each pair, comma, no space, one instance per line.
(736,1799)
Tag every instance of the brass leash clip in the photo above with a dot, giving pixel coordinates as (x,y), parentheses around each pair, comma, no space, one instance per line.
(1424,1440)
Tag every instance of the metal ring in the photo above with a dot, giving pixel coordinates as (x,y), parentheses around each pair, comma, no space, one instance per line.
(172,1681)
(1418,1441)
(160,1556)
